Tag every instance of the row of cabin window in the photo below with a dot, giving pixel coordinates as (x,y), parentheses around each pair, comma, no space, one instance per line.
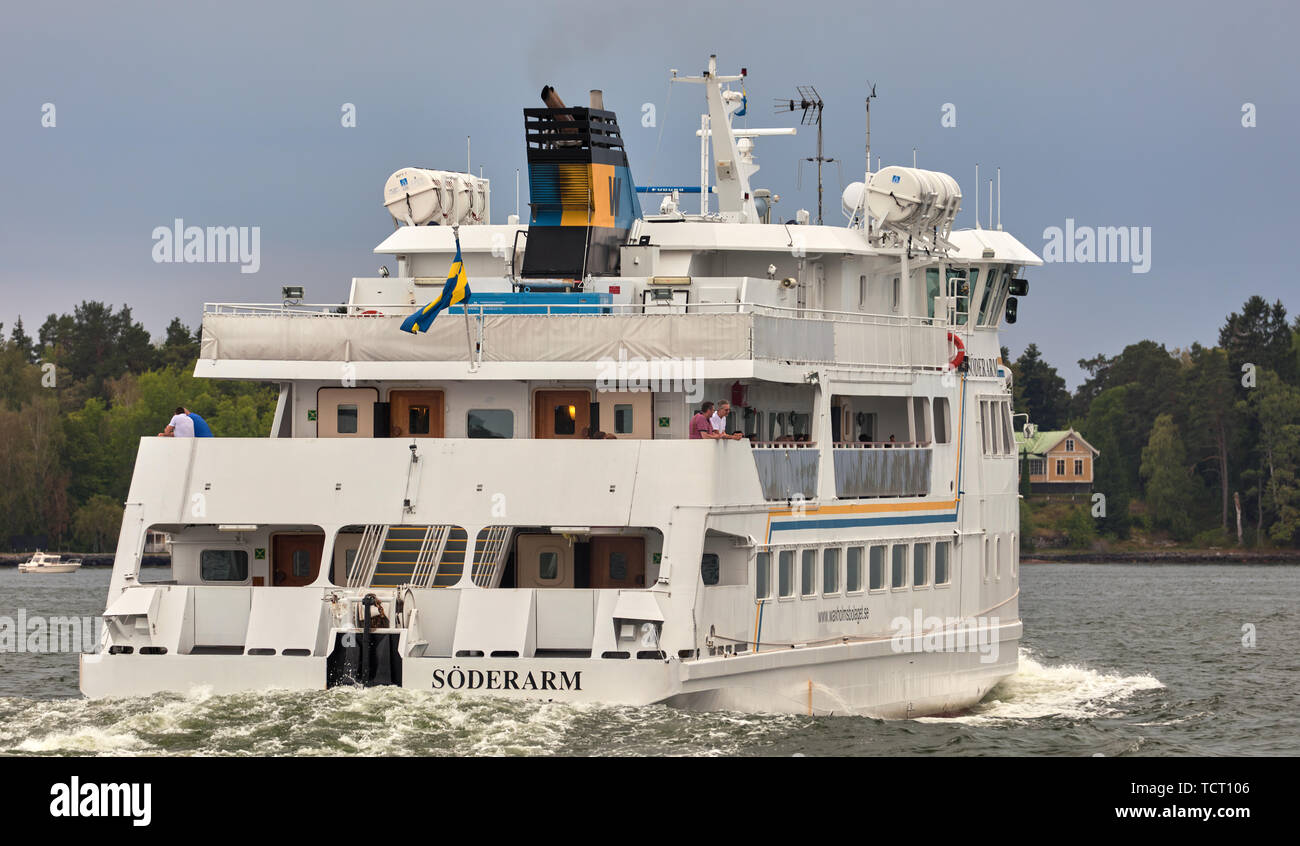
(1038,466)
(1000,553)
(834,580)
(995,425)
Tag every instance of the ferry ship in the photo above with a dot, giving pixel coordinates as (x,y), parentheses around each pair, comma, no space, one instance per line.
(509,504)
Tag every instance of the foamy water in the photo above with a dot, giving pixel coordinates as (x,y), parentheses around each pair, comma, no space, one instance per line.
(1118,660)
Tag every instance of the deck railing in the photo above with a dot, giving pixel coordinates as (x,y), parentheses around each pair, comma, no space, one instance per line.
(584,332)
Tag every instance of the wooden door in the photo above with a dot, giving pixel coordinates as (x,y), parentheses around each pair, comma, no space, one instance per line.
(415,414)
(295,559)
(543,561)
(561,414)
(617,562)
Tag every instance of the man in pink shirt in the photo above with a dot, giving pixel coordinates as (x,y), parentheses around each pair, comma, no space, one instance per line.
(701,427)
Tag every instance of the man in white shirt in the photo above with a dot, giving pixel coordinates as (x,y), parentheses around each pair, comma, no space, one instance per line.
(719,421)
(180,426)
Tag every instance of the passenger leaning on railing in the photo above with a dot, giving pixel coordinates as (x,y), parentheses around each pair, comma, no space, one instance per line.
(719,422)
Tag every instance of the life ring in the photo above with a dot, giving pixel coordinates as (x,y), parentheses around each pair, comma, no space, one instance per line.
(960,355)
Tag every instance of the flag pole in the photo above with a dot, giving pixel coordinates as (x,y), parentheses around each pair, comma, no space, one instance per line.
(469,344)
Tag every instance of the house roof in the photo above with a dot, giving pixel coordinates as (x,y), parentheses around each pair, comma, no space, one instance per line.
(1044,442)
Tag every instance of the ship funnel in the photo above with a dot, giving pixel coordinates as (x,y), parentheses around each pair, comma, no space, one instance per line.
(581,197)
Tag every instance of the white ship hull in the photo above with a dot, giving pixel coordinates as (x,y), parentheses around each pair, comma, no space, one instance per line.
(869,679)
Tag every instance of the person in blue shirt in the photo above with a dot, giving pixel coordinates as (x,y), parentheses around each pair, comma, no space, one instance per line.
(201,427)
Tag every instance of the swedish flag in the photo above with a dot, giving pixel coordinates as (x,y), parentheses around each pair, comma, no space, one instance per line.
(455,291)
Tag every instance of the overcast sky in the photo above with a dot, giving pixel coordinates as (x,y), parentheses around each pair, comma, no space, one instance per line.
(1110,114)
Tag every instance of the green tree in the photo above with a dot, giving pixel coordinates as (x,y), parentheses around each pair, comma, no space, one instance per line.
(1115,475)
(1042,390)
(1169,486)
(1278,407)
(1259,336)
(97,523)
(1212,416)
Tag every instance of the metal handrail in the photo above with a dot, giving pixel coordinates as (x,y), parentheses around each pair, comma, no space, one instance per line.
(331,310)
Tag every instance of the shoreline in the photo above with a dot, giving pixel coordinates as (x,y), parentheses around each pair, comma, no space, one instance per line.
(90,559)
(1274,557)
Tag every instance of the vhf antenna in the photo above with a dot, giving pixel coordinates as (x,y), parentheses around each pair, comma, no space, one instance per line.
(810,103)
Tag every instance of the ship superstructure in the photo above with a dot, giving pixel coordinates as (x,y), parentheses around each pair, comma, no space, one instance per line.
(510,503)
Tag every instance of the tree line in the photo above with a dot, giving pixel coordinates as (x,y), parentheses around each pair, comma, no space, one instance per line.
(75,401)
(1201,444)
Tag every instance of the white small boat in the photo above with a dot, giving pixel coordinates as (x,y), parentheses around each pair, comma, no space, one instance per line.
(42,563)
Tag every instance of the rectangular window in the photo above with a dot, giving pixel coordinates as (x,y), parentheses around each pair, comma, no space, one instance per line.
(709,569)
(1008,438)
(920,415)
(984,425)
(964,289)
(941,420)
(931,289)
(920,565)
(1069,444)
(418,418)
(808,573)
(566,419)
(997,556)
(1060,466)
(898,570)
(897,291)
(617,567)
(490,423)
(941,552)
(831,570)
(877,568)
(763,575)
(623,419)
(1078,466)
(346,420)
(986,298)
(986,565)
(548,566)
(853,570)
(301,564)
(1037,466)
(862,292)
(223,565)
(785,573)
